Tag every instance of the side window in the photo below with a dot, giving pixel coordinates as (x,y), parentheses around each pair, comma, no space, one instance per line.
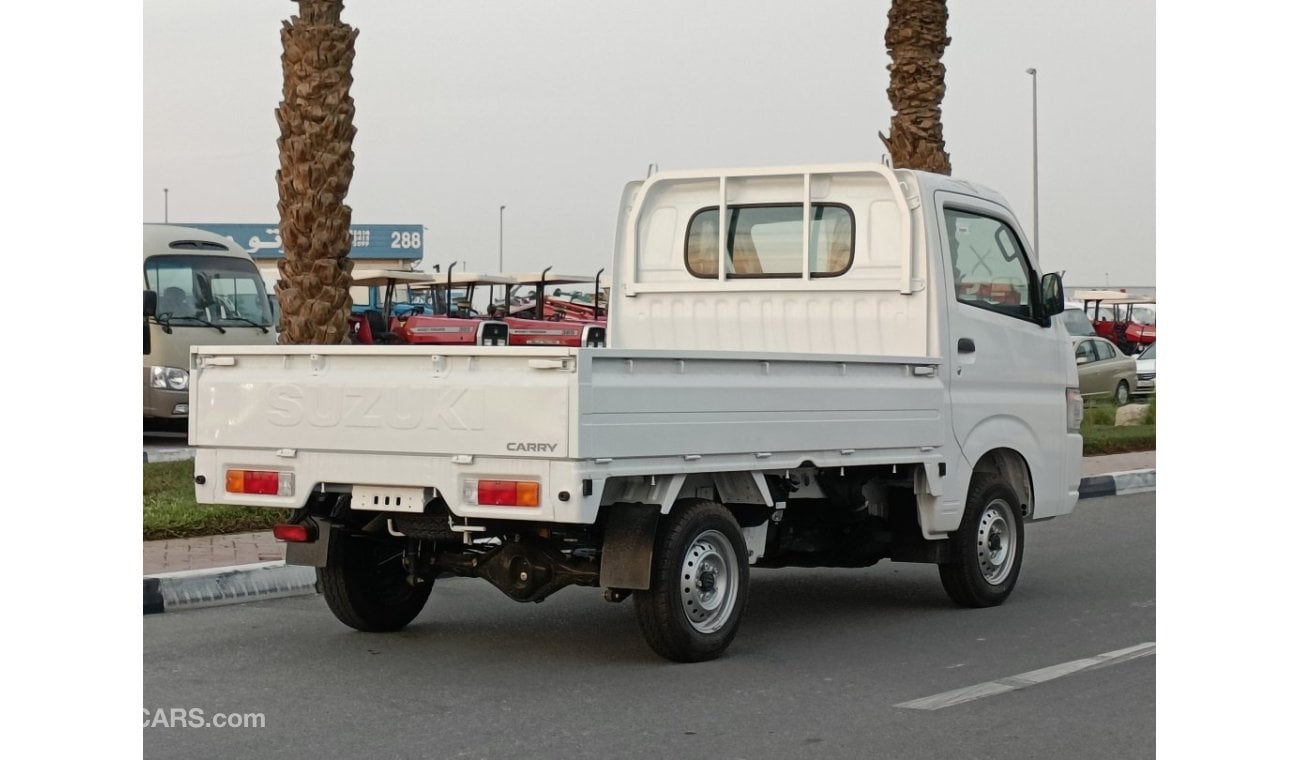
(1104,351)
(767,241)
(1086,350)
(990,270)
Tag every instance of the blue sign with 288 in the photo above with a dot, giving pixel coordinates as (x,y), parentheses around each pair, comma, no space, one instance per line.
(369,241)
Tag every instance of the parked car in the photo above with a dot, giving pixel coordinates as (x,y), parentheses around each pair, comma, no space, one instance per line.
(1146,369)
(1076,322)
(1104,370)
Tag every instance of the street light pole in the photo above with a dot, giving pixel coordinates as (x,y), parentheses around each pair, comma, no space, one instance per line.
(165,215)
(1033,73)
(501,247)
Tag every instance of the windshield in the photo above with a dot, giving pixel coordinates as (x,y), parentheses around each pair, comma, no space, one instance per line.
(1144,315)
(1150,353)
(426,296)
(222,290)
(1076,322)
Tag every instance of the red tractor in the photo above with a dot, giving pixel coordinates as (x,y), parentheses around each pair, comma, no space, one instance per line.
(450,318)
(542,321)
(371,325)
(427,316)
(1126,320)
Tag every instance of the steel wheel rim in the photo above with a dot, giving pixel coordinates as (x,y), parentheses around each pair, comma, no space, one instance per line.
(1121,395)
(707,581)
(996,542)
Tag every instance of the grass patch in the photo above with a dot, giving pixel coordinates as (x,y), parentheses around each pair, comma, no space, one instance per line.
(1107,439)
(1100,436)
(171,512)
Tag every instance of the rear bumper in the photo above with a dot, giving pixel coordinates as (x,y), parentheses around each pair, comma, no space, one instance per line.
(561,494)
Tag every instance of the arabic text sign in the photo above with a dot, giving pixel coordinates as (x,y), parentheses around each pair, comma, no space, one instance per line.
(369,241)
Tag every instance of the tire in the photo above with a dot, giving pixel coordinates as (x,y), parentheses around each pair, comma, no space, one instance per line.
(990,545)
(365,585)
(698,585)
(1122,393)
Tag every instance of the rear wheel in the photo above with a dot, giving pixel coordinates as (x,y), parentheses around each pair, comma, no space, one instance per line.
(989,546)
(365,585)
(1121,393)
(699,584)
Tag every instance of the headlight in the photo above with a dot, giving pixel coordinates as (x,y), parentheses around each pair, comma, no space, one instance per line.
(172,378)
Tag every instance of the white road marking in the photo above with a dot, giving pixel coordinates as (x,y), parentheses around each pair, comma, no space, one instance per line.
(1032,678)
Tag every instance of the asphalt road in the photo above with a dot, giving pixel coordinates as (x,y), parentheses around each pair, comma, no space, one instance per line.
(823,660)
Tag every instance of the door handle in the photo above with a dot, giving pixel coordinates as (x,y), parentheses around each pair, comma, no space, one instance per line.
(965,346)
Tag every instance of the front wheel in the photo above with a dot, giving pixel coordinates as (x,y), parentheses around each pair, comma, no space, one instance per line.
(989,546)
(365,585)
(699,584)
(1121,393)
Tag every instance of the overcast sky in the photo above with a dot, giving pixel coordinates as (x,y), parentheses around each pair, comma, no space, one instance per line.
(549,108)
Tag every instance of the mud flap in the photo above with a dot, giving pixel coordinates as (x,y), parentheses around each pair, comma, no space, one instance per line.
(628,551)
(313,554)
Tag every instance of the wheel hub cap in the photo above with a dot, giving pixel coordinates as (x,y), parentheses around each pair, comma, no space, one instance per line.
(708,581)
(996,543)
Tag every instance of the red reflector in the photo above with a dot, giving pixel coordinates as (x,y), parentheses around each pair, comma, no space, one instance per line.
(297,534)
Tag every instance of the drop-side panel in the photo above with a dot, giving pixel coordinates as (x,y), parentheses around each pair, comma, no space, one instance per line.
(390,399)
(655,403)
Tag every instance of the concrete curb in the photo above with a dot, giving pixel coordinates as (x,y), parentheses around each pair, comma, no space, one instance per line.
(1118,484)
(168,455)
(192,589)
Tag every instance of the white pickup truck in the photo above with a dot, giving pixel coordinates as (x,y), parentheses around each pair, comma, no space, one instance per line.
(869,371)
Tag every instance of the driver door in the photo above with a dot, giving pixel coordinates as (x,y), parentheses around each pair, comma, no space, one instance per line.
(1007,371)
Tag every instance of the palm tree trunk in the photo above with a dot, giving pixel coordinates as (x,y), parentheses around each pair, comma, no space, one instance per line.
(315,143)
(916,38)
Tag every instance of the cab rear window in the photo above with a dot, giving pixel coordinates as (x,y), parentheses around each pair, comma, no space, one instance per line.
(768,241)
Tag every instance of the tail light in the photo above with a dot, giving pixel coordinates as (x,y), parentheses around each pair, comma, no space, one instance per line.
(502,493)
(268,482)
(1073,410)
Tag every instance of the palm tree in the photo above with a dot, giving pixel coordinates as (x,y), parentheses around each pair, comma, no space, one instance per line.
(915,38)
(315,142)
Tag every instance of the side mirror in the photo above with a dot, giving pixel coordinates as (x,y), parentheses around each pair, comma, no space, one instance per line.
(1053,292)
(1080,360)
(150,308)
